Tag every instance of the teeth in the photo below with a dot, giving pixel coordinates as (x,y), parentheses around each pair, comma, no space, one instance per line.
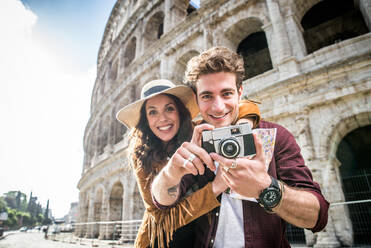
(164,128)
(220,116)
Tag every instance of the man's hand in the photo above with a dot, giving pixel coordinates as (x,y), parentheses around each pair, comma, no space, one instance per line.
(250,177)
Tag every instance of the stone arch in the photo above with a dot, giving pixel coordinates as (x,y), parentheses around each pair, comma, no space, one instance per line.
(255,53)
(247,38)
(181,65)
(115,205)
(331,21)
(154,28)
(191,7)
(238,31)
(130,51)
(332,180)
(339,128)
(353,154)
(115,201)
(302,6)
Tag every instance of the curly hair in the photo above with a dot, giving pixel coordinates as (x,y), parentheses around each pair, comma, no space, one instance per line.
(148,148)
(216,59)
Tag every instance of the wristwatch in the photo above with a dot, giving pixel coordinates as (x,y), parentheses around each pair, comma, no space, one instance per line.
(271,196)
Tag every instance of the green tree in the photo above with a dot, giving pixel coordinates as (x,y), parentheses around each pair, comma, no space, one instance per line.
(12,221)
(3,204)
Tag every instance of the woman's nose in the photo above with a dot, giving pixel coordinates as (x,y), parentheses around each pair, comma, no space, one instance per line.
(162,116)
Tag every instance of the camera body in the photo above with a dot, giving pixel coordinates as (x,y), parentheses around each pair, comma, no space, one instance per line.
(230,142)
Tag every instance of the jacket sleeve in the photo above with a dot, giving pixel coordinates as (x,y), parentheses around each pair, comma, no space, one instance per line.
(164,221)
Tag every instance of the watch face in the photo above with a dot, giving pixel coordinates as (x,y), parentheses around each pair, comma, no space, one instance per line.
(271,198)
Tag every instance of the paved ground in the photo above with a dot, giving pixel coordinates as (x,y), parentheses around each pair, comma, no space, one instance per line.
(36,240)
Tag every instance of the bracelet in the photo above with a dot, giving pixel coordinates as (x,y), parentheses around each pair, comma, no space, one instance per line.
(282,188)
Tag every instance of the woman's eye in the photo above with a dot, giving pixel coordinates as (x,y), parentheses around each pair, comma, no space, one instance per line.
(152,112)
(170,109)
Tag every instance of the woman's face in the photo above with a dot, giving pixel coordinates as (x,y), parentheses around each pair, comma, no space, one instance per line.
(163,117)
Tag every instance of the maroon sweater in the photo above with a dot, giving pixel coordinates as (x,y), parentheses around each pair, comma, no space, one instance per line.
(263,229)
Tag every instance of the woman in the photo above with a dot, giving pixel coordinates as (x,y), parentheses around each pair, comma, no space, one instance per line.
(164,122)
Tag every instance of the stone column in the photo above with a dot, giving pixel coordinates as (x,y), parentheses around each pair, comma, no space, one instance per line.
(128,204)
(207,36)
(90,228)
(104,217)
(295,33)
(167,62)
(281,39)
(175,12)
(365,8)
(338,229)
(280,48)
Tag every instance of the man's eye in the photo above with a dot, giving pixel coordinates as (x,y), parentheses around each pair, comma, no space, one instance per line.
(205,97)
(229,93)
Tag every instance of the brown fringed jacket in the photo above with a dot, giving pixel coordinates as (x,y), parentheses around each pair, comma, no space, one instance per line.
(161,224)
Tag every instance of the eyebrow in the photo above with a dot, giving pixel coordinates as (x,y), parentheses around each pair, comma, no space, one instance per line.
(166,105)
(222,91)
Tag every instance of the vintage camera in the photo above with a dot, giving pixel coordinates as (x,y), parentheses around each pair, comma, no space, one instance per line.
(230,142)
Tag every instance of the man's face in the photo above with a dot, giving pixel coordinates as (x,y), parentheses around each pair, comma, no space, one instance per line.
(218,98)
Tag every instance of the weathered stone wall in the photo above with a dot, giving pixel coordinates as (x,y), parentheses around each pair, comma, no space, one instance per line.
(319,96)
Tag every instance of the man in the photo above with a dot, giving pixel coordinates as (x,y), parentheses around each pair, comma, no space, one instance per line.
(268,190)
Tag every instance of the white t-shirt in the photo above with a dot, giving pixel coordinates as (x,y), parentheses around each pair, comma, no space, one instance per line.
(230,230)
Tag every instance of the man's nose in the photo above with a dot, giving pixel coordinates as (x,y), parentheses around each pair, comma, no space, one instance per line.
(218,104)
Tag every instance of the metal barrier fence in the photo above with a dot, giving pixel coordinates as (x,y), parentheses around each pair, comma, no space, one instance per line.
(126,231)
(360,215)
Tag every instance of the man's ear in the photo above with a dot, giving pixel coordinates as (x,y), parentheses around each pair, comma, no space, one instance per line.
(240,93)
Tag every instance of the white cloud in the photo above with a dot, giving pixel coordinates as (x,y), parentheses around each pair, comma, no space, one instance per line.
(44,109)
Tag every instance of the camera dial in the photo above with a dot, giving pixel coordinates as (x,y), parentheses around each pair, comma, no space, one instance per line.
(229,148)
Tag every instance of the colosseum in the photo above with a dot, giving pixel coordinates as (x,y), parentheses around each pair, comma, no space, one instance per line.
(307,62)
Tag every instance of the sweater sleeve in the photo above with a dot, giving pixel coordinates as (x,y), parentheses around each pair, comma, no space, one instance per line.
(292,170)
(249,109)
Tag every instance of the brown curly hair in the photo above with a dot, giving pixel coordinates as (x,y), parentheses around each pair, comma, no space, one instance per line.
(216,59)
(147,148)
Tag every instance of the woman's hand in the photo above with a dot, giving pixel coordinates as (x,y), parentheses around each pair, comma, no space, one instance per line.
(218,184)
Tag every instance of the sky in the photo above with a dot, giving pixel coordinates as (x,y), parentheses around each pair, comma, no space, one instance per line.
(48,55)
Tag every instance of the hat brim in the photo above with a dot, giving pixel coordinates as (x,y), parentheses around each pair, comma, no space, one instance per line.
(129,115)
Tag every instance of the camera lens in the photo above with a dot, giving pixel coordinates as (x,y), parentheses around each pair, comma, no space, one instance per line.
(229,148)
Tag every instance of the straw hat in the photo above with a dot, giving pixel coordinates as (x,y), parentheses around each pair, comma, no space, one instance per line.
(129,115)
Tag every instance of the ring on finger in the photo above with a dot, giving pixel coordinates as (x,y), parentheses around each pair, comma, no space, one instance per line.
(234,164)
(191,157)
(226,169)
(185,162)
